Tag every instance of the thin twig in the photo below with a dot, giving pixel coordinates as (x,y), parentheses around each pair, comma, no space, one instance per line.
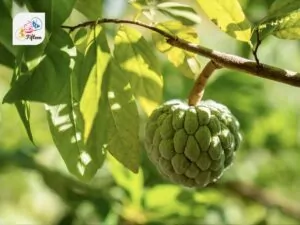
(255,50)
(266,198)
(119,21)
(222,59)
(199,85)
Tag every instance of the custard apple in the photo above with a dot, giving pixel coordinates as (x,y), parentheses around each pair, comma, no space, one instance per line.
(192,145)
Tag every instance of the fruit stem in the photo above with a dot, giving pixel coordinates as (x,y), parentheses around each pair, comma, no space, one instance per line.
(197,92)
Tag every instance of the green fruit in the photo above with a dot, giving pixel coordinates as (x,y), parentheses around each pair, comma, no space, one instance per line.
(192,145)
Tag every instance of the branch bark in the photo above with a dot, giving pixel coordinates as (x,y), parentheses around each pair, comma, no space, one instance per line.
(199,86)
(241,64)
(222,59)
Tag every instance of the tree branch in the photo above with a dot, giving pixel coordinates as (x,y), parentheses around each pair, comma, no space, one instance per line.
(119,21)
(268,199)
(198,88)
(222,59)
(241,64)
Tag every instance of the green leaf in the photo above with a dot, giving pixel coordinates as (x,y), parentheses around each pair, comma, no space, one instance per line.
(22,107)
(80,37)
(6,57)
(48,81)
(20,2)
(24,113)
(178,11)
(97,140)
(289,28)
(67,135)
(181,12)
(133,183)
(87,115)
(56,11)
(33,55)
(281,8)
(92,9)
(185,61)
(6,29)
(160,196)
(229,17)
(157,201)
(95,61)
(209,197)
(139,4)
(123,142)
(190,66)
(144,7)
(8,4)
(283,20)
(82,157)
(138,62)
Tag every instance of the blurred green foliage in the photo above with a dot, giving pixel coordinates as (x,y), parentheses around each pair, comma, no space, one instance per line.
(37,189)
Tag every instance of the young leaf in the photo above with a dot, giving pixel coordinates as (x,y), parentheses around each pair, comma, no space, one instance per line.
(185,61)
(56,11)
(181,12)
(229,17)
(22,107)
(136,59)
(178,11)
(143,8)
(289,28)
(95,61)
(123,140)
(48,80)
(24,113)
(92,9)
(283,20)
(140,5)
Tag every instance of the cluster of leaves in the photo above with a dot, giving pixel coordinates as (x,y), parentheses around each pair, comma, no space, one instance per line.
(123,199)
(89,91)
(92,85)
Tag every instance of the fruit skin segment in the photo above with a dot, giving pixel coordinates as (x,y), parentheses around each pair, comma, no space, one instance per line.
(192,145)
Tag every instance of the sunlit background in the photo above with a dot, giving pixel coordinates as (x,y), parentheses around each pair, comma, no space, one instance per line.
(43,192)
